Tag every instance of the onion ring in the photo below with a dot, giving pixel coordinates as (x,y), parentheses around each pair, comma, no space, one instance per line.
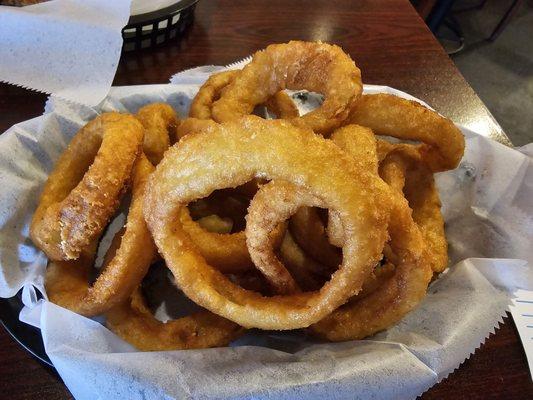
(315,66)
(67,281)
(233,153)
(408,172)
(84,190)
(386,114)
(280,104)
(267,209)
(134,323)
(160,123)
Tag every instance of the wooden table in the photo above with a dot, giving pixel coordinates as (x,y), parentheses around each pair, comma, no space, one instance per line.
(392,46)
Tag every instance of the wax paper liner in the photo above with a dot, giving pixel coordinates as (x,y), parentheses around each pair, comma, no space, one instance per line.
(461,309)
(68,48)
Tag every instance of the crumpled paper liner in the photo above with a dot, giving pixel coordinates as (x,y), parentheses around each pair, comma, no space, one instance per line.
(462,307)
(67,48)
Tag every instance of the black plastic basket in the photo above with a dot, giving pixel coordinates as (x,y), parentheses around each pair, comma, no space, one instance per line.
(158,27)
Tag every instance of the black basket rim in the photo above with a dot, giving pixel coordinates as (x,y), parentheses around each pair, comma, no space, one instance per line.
(156,15)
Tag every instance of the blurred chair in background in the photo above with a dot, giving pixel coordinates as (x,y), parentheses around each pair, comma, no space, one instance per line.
(437,12)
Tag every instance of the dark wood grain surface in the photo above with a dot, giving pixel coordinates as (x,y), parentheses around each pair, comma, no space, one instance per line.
(393,47)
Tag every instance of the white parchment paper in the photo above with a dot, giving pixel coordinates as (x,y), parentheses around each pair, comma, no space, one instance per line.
(492,187)
(69,48)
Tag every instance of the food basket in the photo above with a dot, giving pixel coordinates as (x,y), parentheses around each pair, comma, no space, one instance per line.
(158,26)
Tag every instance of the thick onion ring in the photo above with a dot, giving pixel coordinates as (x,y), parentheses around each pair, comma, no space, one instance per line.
(408,172)
(67,282)
(233,153)
(280,104)
(274,203)
(160,122)
(387,114)
(315,66)
(84,190)
(134,322)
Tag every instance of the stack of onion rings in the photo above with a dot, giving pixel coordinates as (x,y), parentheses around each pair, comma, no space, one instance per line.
(233,153)
(365,233)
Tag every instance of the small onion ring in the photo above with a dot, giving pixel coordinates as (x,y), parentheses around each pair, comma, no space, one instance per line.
(274,203)
(231,154)
(387,114)
(314,66)
(408,172)
(160,122)
(84,189)
(67,281)
(134,323)
(280,104)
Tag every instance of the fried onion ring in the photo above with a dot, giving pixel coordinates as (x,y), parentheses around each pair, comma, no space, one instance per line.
(231,154)
(85,188)
(67,282)
(267,209)
(387,114)
(280,104)
(160,122)
(408,172)
(135,323)
(314,66)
